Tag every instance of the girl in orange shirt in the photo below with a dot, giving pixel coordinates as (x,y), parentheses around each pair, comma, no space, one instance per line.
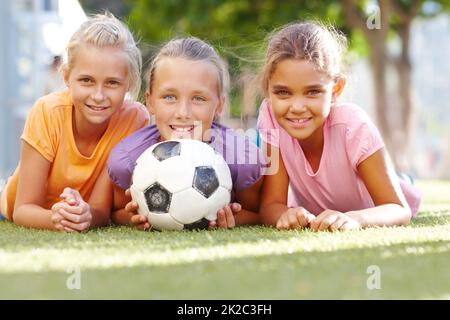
(61,182)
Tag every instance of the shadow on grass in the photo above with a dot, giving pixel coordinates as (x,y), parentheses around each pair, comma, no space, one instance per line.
(407,271)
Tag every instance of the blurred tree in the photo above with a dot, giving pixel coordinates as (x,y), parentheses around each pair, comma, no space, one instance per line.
(235,28)
(391,20)
(119,8)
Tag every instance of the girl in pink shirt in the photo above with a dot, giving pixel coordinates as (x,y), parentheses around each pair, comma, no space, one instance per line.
(329,169)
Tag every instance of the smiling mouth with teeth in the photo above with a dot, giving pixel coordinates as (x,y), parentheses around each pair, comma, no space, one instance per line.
(182,129)
(96,108)
(300,120)
(299,123)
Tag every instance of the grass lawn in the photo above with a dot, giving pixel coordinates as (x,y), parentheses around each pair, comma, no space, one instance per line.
(244,263)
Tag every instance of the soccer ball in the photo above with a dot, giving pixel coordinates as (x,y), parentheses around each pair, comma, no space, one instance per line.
(180,184)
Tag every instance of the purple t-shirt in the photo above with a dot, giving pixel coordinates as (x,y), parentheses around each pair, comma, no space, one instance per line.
(242,156)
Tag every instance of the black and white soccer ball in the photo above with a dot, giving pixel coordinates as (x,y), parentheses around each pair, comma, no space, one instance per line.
(180,184)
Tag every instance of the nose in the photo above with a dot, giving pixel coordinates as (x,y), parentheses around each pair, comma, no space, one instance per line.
(98,95)
(298,105)
(184,110)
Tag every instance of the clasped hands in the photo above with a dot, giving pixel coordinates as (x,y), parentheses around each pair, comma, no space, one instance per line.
(328,220)
(72,214)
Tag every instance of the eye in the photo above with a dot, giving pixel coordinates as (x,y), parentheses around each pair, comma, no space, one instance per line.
(169,98)
(199,99)
(314,92)
(85,80)
(282,93)
(113,83)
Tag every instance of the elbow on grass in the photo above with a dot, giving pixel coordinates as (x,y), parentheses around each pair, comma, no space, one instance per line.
(266,218)
(406,215)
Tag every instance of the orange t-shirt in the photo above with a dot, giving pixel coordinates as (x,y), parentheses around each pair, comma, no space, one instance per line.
(48,129)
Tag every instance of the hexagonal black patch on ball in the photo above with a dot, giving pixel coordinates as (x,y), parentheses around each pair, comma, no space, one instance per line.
(167,150)
(157,198)
(205,181)
(200,224)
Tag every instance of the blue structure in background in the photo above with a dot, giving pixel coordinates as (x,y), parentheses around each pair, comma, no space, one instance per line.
(23,69)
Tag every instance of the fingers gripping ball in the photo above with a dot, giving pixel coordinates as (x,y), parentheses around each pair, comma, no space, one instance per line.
(180,184)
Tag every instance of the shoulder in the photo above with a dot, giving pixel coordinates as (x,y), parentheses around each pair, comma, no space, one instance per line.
(133,109)
(362,137)
(266,119)
(134,106)
(51,111)
(268,127)
(123,156)
(46,121)
(348,114)
(54,103)
(130,117)
(145,136)
(233,139)
(353,121)
(241,154)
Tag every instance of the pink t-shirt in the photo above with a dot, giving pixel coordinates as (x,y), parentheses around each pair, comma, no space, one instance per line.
(350,137)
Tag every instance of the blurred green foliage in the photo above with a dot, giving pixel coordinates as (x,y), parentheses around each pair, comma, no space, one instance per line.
(238,28)
(235,28)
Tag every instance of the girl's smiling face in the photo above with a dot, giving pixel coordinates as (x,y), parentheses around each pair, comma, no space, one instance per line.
(301,97)
(184,98)
(98,82)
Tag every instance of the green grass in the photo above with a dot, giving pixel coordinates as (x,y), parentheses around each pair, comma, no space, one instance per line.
(244,263)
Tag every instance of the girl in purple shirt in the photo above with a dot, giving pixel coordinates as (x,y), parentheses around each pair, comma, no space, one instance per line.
(187,90)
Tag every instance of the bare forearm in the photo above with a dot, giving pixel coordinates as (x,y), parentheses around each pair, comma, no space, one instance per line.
(121,217)
(271,213)
(33,216)
(100,217)
(247,217)
(383,215)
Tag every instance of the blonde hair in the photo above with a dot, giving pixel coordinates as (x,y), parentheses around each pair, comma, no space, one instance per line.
(104,30)
(324,46)
(192,48)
